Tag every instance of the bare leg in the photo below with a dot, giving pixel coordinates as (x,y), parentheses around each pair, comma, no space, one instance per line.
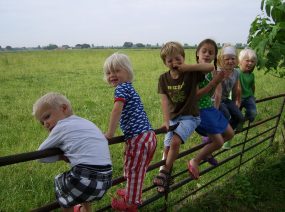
(217,142)
(170,155)
(67,209)
(86,207)
(164,156)
(173,152)
(228,134)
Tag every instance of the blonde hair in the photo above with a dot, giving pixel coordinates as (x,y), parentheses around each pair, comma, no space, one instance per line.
(118,61)
(223,52)
(247,53)
(171,48)
(53,100)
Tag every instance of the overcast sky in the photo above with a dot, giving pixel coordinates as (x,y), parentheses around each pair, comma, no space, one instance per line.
(112,22)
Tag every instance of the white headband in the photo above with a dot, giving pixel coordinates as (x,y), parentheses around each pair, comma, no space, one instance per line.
(229,50)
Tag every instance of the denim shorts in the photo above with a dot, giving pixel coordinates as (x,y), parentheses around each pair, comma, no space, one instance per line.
(187,125)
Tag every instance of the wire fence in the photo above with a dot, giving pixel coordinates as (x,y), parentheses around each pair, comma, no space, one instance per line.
(249,145)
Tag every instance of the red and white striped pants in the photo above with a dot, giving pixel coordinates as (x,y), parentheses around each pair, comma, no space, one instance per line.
(139,152)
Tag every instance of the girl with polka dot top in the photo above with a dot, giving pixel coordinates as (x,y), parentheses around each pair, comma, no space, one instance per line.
(213,123)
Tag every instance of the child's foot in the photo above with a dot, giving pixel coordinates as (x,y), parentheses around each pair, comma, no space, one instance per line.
(193,169)
(162,181)
(121,205)
(227,145)
(121,192)
(77,208)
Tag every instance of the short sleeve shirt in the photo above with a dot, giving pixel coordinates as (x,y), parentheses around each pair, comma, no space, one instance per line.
(181,93)
(133,119)
(247,82)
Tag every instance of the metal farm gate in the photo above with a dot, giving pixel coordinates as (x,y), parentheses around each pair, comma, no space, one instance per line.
(248,144)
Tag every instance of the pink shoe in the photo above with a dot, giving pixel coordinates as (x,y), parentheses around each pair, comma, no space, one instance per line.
(121,205)
(193,171)
(76,208)
(121,192)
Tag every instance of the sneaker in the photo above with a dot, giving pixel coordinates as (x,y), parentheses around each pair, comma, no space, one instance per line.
(227,145)
(121,205)
(211,160)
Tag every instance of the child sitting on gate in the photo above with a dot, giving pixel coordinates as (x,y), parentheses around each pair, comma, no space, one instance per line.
(84,146)
(213,123)
(231,91)
(138,133)
(177,88)
(247,62)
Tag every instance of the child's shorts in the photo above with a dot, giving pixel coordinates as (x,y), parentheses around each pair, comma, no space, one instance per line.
(83,183)
(212,122)
(187,125)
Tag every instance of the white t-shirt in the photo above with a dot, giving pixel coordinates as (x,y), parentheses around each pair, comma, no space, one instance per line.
(81,141)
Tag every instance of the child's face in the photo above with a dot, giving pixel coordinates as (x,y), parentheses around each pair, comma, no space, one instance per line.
(247,65)
(206,53)
(49,116)
(172,61)
(117,76)
(229,62)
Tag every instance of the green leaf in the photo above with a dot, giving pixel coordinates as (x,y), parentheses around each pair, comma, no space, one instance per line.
(267,37)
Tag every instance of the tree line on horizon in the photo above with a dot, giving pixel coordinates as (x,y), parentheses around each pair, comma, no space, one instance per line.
(126,45)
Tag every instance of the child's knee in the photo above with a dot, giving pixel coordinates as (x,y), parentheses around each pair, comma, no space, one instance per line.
(220,143)
(176,142)
(229,134)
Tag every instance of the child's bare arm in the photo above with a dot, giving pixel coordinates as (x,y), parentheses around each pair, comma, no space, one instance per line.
(218,96)
(237,93)
(212,84)
(114,119)
(203,67)
(165,110)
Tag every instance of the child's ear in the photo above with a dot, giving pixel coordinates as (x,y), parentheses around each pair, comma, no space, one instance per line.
(64,107)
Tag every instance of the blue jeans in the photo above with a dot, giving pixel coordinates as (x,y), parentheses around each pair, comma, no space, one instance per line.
(250,108)
(231,112)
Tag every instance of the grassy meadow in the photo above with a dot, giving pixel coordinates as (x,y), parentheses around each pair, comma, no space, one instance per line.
(78,74)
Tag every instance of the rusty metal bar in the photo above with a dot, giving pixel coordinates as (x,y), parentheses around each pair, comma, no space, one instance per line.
(243,146)
(23,157)
(278,119)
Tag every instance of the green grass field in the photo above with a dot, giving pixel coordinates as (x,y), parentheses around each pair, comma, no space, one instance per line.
(78,74)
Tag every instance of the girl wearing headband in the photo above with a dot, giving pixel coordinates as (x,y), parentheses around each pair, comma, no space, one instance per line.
(231,91)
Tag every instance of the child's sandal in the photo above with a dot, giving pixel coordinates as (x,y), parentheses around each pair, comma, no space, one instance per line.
(162,181)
